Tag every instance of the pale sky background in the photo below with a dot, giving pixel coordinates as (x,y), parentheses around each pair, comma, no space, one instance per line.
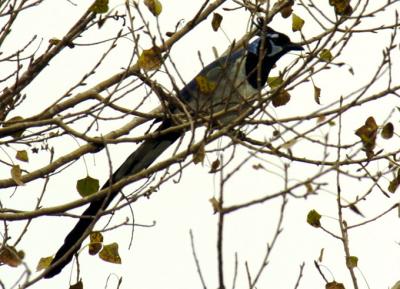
(161,256)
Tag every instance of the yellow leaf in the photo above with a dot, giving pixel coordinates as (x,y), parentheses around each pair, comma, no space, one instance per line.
(150,59)
(96,243)
(297,23)
(325,55)
(204,85)
(154,6)
(16,175)
(44,263)
(22,156)
(110,253)
(216,21)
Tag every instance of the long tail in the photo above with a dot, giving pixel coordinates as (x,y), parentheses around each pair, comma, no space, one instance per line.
(140,159)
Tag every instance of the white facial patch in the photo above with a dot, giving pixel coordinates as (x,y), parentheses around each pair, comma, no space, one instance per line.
(274,48)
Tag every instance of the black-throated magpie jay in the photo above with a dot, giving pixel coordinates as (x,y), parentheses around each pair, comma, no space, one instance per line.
(229,80)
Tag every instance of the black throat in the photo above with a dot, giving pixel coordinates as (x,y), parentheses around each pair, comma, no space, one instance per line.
(256,66)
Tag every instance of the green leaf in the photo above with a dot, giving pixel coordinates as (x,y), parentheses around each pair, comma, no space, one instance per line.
(274,81)
(87,186)
(313,218)
(44,263)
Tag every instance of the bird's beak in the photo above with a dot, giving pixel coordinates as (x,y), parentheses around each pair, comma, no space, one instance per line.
(294,46)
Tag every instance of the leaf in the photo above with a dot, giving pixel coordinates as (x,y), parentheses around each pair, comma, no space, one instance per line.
(78,285)
(44,263)
(286,11)
(87,186)
(216,205)
(313,218)
(150,59)
(199,155)
(96,243)
(274,81)
(297,23)
(326,55)
(216,21)
(215,166)
(355,210)
(10,256)
(351,262)
(367,134)
(154,6)
(22,156)
(334,285)
(342,7)
(280,98)
(110,253)
(204,85)
(14,120)
(99,6)
(317,94)
(16,175)
(309,187)
(54,41)
(387,131)
(394,184)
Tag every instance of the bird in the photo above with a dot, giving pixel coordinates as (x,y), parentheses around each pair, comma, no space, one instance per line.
(224,83)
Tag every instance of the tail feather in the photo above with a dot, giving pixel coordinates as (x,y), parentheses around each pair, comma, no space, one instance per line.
(140,159)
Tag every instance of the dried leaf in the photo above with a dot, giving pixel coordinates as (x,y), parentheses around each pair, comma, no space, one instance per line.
(280,98)
(387,131)
(199,155)
(96,243)
(334,285)
(216,21)
(215,166)
(110,253)
(16,175)
(317,94)
(367,134)
(10,256)
(216,205)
